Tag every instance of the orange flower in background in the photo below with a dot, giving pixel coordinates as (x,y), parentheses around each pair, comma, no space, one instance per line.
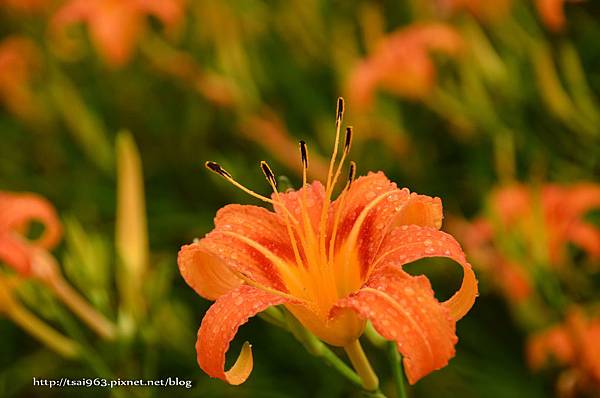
(562,210)
(401,63)
(552,13)
(575,343)
(116,25)
(519,212)
(32,258)
(18,63)
(484,10)
(17,211)
(333,264)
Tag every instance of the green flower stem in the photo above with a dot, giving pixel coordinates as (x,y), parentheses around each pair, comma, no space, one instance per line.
(374,337)
(96,321)
(361,364)
(397,369)
(40,330)
(274,316)
(317,348)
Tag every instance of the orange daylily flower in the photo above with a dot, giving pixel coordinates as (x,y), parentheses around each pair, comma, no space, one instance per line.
(517,209)
(562,209)
(333,264)
(575,343)
(31,258)
(18,62)
(401,63)
(17,211)
(117,25)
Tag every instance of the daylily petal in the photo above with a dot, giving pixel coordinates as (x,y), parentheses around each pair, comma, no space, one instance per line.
(363,193)
(236,228)
(587,236)
(115,28)
(411,242)
(18,210)
(554,342)
(15,253)
(403,308)
(206,273)
(220,325)
(583,197)
(311,197)
(421,210)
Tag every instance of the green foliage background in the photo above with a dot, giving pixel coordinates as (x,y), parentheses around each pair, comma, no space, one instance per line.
(490,119)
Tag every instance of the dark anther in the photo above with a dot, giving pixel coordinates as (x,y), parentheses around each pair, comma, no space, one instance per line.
(215,167)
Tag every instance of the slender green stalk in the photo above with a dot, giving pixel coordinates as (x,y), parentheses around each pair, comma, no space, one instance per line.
(361,364)
(397,369)
(40,330)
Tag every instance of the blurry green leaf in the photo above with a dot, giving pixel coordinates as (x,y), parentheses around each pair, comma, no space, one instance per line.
(85,126)
(87,263)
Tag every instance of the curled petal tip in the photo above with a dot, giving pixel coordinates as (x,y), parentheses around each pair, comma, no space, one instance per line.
(242,368)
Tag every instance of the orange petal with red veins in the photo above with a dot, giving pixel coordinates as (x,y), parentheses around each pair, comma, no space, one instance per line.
(209,265)
(206,273)
(361,194)
(421,210)
(410,243)
(18,210)
(313,196)
(220,325)
(403,308)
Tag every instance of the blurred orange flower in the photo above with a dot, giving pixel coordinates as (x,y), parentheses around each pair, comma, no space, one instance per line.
(334,264)
(116,25)
(18,62)
(401,63)
(31,258)
(552,13)
(484,10)
(575,343)
(17,211)
(520,212)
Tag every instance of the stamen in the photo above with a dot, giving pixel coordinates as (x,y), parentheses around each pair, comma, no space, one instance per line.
(290,221)
(268,174)
(304,156)
(340,208)
(348,140)
(216,168)
(340,111)
(249,281)
(330,174)
(351,172)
